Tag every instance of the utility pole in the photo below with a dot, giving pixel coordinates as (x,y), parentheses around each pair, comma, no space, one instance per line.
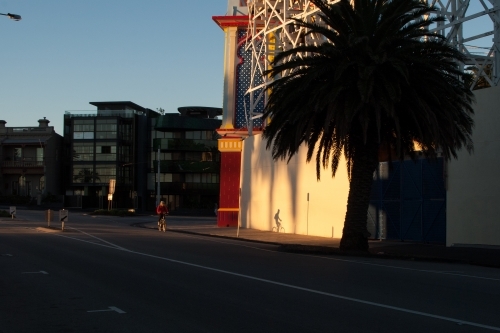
(158,178)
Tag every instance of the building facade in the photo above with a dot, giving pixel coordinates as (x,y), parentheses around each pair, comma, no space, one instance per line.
(31,160)
(107,144)
(189,167)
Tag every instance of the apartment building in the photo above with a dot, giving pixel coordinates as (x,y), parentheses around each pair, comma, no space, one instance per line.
(30,160)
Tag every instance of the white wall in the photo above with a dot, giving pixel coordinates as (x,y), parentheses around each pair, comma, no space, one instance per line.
(473,198)
(268,186)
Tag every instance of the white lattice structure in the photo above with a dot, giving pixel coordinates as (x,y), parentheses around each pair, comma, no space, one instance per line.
(469,26)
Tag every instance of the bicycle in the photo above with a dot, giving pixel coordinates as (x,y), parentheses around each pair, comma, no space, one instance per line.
(162,224)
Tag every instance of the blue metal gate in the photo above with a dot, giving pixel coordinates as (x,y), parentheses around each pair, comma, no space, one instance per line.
(408,201)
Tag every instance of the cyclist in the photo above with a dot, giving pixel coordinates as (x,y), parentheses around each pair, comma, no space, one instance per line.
(162,211)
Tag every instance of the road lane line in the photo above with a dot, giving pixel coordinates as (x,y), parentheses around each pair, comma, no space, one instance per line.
(235,243)
(39,272)
(100,239)
(114,308)
(109,309)
(408,269)
(356,300)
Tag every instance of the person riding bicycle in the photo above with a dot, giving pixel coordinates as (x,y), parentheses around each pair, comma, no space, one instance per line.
(162,211)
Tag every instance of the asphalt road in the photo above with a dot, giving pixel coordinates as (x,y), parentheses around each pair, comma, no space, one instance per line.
(104,275)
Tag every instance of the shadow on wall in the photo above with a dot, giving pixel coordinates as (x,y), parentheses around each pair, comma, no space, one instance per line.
(268,184)
(259,170)
(277,220)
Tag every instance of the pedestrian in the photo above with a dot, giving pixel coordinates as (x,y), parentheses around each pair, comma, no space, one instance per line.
(215,209)
(161,210)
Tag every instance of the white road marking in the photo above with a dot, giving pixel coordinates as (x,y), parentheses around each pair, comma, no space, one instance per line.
(100,239)
(39,272)
(114,308)
(109,309)
(6,255)
(356,300)
(359,262)
(411,269)
(235,243)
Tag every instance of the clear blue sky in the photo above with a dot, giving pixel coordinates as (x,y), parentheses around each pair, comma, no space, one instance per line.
(64,54)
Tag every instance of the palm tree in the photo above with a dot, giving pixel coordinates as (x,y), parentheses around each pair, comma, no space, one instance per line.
(86,175)
(378,79)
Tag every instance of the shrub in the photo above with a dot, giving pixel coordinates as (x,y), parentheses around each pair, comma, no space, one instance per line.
(4,213)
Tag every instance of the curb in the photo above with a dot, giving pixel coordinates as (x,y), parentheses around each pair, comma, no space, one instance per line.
(326,250)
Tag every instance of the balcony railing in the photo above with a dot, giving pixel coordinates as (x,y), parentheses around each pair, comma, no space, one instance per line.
(25,130)
(23,164)
(103,113)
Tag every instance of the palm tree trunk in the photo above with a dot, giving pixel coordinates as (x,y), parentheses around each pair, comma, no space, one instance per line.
(364,163)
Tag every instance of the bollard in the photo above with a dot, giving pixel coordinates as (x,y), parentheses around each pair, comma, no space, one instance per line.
(48,216)
(63,216)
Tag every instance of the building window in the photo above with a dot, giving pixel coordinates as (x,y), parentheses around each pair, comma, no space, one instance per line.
(105,151)
(83,129)
(39,154)
(18,154)
(193,156)
(206,156)
(196,135)
(104,173)
(42,183)
(202,178)
(106,129)
(126,132)
(83,151)
(84,174)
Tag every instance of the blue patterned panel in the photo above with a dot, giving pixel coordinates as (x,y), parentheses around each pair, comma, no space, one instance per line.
(392,186)
(413,201)
(392,211)
(411,220)
(412,180)
(434,220)
(243,75)
(433,179)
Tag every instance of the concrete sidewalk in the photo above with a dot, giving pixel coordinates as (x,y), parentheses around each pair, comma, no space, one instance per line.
(489,257)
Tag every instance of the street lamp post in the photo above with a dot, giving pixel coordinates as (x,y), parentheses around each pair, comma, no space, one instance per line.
(14,17)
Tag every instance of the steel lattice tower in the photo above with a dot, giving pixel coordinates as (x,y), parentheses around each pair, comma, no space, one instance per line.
(271,30)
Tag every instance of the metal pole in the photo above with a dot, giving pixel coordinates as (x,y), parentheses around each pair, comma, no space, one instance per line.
(158,178)
(496,43)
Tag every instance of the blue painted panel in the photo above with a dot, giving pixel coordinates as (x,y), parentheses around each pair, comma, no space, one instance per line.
(391,187)
(411,173)
(434,220)
(410,204)
(392,210)
(411,220)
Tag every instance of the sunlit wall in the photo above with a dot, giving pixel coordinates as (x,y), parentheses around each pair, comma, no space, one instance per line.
(273,191)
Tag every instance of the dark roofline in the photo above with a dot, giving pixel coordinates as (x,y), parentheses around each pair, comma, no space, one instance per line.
(125,103)
(210,112)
